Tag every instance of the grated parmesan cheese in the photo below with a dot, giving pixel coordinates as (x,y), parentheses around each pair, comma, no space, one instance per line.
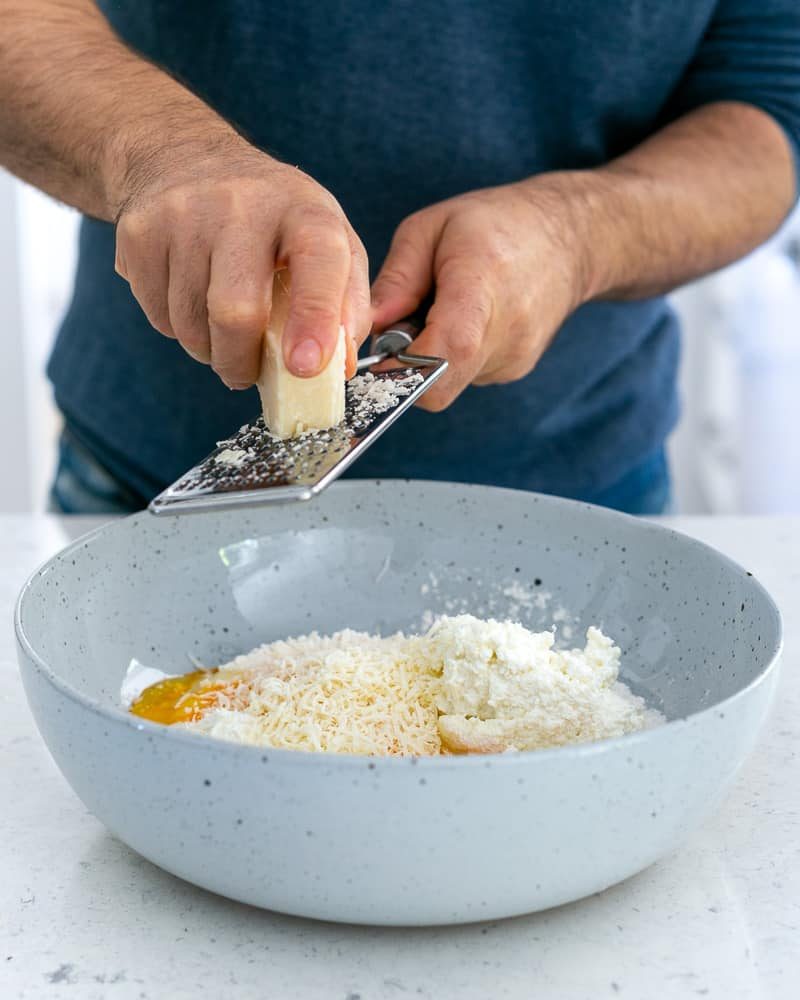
(369,395)
(234,457)
(347,693)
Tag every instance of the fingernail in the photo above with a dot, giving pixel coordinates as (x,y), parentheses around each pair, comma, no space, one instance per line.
(238,385)
(306,357)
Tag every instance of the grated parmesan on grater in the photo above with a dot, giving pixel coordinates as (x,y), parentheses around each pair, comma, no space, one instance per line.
(235,457)
(370,396)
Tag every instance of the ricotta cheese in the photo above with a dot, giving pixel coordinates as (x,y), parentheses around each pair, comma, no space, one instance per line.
(505,688)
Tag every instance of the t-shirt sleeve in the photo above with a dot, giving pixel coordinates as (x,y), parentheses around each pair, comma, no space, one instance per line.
(750,52)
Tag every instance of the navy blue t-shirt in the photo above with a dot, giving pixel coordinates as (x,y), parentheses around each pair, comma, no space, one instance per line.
(396,106)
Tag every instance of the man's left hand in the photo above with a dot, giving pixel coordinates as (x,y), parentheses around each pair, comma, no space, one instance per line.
(508,267)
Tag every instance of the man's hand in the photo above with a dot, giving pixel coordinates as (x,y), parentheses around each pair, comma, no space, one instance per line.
(507,266)
(199,238)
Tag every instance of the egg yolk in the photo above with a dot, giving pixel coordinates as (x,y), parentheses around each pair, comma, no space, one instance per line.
(182,699)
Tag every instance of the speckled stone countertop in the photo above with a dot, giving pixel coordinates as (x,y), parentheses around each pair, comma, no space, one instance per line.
(84,918)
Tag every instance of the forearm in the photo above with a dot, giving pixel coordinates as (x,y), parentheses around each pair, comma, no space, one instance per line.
(699,194)
(82,116)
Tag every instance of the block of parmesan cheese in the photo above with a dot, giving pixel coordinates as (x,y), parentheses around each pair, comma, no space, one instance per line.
(291,404)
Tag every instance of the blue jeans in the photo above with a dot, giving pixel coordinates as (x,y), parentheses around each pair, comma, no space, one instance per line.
(83,486)
(645,490)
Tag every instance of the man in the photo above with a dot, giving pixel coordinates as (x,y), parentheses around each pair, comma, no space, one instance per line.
(547,169)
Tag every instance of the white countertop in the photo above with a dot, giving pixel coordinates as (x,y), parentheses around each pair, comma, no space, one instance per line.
(82,917)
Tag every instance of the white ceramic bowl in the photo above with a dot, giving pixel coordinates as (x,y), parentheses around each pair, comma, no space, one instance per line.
(393,840)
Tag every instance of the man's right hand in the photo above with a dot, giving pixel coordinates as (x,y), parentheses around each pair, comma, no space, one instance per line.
(203,217)
(199,236)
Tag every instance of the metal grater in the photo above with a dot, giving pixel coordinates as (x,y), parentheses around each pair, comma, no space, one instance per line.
(252,467)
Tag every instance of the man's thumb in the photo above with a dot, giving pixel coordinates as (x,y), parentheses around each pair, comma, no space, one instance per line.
(407,273)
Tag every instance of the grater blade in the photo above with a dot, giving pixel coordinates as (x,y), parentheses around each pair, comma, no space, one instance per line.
(253,467)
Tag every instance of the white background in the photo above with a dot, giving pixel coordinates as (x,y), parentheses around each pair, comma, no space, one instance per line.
(737,449)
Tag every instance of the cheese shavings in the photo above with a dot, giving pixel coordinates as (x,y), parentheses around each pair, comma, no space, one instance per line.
(234,457)
(346,693)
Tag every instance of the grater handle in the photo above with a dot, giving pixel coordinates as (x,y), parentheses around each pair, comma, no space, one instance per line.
(395,340)
(404,329)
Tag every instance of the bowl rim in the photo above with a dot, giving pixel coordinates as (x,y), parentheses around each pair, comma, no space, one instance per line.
(151,730)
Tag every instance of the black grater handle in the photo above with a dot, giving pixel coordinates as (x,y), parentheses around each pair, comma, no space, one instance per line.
(394,341)
(411,326)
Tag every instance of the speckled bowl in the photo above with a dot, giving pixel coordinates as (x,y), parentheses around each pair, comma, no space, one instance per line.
(392,840)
